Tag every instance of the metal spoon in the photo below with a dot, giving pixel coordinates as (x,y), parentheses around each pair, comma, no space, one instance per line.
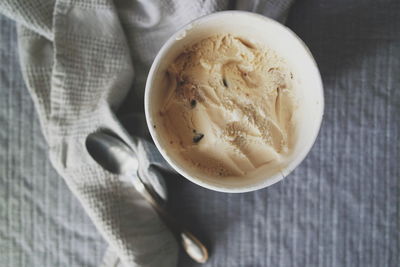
(115,156)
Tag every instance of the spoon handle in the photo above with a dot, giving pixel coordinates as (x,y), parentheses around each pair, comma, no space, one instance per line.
(192,246)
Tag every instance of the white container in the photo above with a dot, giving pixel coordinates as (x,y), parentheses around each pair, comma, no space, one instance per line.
(260,30)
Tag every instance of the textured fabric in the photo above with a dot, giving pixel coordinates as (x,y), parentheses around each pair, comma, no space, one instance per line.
(41,222)
(75,61)
(76,74)
(339,208)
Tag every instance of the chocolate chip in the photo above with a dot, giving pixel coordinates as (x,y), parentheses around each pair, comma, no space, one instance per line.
(272,69)
(224,82)
(193,103)
(198,137)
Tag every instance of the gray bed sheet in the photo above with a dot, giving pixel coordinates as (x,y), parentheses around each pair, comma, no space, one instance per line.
(341,207)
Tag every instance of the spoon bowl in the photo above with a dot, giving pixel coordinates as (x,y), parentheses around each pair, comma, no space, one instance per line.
(112,153)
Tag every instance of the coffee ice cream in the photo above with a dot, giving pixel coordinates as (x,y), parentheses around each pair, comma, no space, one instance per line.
(228,106)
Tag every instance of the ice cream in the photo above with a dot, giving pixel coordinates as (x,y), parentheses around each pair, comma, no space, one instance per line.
(228,106)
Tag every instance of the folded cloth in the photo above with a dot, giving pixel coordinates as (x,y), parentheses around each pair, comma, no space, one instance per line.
(78,60)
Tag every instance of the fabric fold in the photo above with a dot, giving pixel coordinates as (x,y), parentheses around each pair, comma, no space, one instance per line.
(77,80)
